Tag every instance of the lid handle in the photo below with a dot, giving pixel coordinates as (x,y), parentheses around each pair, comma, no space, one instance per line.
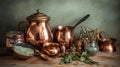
(38,10)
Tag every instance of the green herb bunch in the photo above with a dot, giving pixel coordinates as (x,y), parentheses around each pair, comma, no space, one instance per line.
(77,56)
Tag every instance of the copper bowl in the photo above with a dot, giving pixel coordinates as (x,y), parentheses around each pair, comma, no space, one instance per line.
(21,56)
(51,49)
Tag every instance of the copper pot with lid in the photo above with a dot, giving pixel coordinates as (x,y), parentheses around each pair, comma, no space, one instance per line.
(39,30)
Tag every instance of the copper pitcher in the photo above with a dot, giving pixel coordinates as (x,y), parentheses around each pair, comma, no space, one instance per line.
(39,30)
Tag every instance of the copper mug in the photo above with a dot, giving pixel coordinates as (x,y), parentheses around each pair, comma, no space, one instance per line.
(38,31)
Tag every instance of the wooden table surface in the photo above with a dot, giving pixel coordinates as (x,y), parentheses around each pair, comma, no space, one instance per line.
(104,59)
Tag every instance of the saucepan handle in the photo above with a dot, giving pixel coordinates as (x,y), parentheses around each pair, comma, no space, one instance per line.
(103,34)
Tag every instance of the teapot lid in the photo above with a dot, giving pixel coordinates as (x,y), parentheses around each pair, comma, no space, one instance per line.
(38,16)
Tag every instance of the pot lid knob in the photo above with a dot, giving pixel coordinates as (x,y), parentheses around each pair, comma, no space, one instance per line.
(38,10)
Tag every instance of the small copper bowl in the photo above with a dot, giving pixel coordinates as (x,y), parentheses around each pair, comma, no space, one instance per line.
(51,49)
(21,56)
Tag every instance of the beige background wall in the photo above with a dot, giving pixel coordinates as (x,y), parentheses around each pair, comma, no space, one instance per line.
(105,14)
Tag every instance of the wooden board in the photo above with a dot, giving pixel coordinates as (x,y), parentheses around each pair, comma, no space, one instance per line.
(104,59)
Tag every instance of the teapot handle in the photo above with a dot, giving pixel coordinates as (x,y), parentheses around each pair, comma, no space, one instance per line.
(22,25)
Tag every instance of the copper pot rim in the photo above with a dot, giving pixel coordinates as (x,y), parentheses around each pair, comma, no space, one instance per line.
(62,27)
(50,44)
(14,34)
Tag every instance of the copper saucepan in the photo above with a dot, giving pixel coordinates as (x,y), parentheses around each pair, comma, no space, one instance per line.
(65,34)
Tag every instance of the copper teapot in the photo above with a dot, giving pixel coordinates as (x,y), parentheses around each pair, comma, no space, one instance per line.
(105,43)
(38,31)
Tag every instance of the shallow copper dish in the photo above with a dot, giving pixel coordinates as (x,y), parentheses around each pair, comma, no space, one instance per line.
(51,49)
(21,56)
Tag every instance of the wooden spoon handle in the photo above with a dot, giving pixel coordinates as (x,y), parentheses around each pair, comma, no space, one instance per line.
(44,56)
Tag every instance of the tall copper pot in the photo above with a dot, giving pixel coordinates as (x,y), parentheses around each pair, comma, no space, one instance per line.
(39,30)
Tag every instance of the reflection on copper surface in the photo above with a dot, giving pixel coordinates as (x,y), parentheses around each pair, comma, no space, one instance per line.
(60,27)
(46,34)
(39,31)
(110,48)
(68,35)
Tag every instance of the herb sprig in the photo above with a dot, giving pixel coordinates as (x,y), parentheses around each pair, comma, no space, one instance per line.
(77,56)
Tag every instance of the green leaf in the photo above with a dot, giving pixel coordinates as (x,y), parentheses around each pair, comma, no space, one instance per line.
(61,62)
(82,59)
(74,56)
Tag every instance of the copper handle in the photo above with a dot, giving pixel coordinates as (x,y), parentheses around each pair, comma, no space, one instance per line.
(44,56)
(102,32)
(20,23)
(81,20)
